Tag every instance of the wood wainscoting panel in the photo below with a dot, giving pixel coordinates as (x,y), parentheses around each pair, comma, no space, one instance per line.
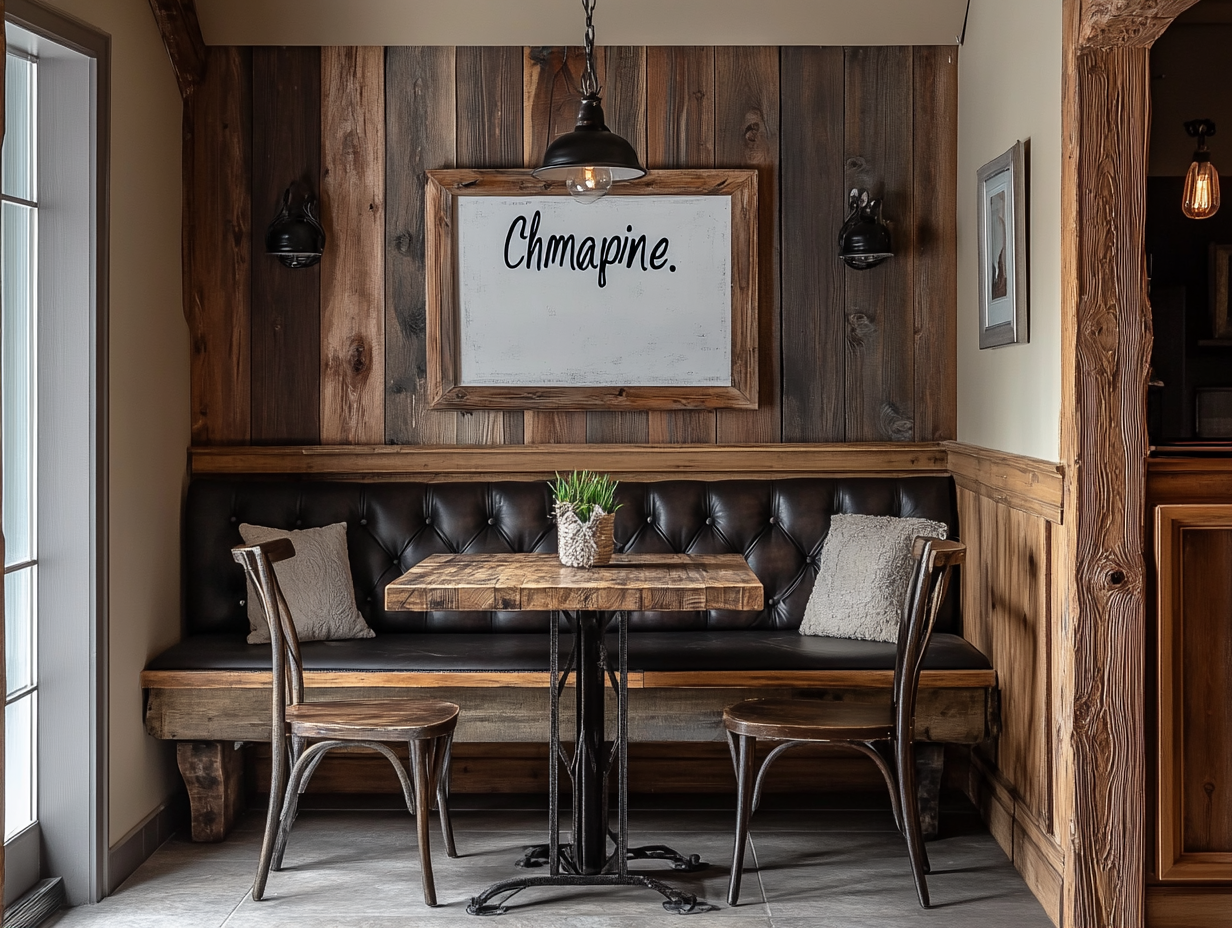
(1193,552)
(1010,509)
(353,266)
(880,307)
(286,302)
(489,127)
(680,134)
(218,247)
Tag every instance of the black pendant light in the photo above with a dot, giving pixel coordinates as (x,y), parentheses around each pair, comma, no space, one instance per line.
(590,158)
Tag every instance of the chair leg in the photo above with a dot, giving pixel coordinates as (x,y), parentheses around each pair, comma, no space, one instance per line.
(422,773)
(743,752)
(904,757)
(301,772)
(277,776)
(444,761)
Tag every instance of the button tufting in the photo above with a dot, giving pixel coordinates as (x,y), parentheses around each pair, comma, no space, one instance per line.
(709,521)
(774,520)
(491,521)
(771,601)
(427,520)
(363,521)
(233,519)
(299,522)
(650,520)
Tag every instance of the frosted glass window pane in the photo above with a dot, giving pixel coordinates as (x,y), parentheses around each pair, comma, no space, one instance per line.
(18,169)
(19,592)
(17,299)
(19,760)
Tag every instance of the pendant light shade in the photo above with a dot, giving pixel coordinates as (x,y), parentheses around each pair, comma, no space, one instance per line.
(592,157)
(1201,197)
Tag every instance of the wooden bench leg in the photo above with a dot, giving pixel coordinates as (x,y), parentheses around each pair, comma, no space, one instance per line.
(213,771)
(929,764)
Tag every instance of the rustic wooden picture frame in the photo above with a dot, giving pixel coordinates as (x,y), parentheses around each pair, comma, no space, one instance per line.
(445,387)
(1013,239)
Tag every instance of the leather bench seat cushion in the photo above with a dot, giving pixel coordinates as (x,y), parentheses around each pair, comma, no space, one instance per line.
(766,649)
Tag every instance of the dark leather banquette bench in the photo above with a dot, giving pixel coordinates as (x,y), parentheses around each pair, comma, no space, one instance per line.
(212,688)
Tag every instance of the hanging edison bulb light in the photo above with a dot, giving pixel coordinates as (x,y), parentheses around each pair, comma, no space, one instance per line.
(1201,197)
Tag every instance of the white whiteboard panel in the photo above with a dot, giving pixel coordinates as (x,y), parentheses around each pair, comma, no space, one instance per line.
(656,312)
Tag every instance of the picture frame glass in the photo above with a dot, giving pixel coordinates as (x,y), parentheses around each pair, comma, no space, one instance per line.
(999,270)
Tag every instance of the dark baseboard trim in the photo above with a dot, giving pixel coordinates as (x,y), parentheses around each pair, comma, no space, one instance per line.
(30,910)
(131,851)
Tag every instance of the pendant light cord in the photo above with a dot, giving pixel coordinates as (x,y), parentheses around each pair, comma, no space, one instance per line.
(590,82)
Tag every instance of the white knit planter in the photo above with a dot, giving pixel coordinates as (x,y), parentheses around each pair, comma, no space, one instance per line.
(584,544)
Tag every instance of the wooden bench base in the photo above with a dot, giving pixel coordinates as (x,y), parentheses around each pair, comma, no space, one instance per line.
(209,711)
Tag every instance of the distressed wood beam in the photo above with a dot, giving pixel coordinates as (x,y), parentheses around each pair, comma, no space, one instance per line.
(1127,23)
(181,32)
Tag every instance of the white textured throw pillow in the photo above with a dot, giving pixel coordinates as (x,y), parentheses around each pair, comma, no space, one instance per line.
(863,574)
(316,583)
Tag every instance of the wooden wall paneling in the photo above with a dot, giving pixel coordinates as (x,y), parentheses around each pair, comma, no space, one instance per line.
(878,136)
(420,119)
(680,134)
(814,279)
(286,302)
(624,106)
(551,93)
(1007,615)
(218,247)
(489,135)
(746,134)
(935,282)
(353,269)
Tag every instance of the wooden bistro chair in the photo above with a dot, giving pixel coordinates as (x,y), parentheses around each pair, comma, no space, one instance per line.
(313,729)
(885,733)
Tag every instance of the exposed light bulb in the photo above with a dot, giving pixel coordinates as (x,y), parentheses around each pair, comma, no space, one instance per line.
(1201,198)
(589,184)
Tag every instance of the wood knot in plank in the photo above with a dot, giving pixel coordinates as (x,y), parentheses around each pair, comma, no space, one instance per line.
(860,327)
(894,425)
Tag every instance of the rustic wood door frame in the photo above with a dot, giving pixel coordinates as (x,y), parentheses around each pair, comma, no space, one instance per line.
(1106,347)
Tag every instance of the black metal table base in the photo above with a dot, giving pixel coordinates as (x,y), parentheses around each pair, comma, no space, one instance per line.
(674,900)
(586,861)
(537,855)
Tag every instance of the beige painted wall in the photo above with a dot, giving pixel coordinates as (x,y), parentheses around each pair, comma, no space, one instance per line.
(149,391)
(1009,88)
(560,22)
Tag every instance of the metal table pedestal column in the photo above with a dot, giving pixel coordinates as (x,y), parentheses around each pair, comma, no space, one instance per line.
(586,861)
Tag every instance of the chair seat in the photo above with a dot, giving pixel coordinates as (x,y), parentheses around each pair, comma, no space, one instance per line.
(373,719)
(809,720)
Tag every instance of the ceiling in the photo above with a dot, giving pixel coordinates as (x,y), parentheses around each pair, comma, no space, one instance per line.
(560,22)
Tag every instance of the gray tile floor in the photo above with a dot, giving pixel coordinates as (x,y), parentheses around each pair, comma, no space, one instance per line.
(839,866)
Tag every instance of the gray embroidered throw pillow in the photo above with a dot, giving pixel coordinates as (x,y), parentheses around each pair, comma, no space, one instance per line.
(863,574)
(316,583)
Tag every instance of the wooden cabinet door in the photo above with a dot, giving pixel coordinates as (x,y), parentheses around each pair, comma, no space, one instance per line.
(1193,556)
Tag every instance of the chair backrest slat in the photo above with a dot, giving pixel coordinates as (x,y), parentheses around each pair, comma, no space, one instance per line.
(935,560)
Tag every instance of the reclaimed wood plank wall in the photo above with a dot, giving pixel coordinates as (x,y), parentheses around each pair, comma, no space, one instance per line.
(335,354)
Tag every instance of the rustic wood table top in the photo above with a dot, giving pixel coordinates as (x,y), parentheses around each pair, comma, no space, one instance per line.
(642,582)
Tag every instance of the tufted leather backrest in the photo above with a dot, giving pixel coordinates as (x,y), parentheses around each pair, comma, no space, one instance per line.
(778,525)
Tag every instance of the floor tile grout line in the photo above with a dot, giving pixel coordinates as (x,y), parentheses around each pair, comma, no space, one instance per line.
(236,907)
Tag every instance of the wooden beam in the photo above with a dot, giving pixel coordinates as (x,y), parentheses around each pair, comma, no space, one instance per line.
(177,22)
(1127,23)
(626,462)
(213,773)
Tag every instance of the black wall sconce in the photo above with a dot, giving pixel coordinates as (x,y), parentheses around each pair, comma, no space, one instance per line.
(295,237)
(864,240)
(1201,197)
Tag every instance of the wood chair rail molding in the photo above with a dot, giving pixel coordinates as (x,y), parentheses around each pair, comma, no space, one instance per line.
(441,463)
(1105,353)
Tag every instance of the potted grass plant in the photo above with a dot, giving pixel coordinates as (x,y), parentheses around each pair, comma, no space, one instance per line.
(585,518)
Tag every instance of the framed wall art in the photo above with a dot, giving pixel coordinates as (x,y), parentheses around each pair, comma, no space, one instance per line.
(645,299)
(1002,231)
